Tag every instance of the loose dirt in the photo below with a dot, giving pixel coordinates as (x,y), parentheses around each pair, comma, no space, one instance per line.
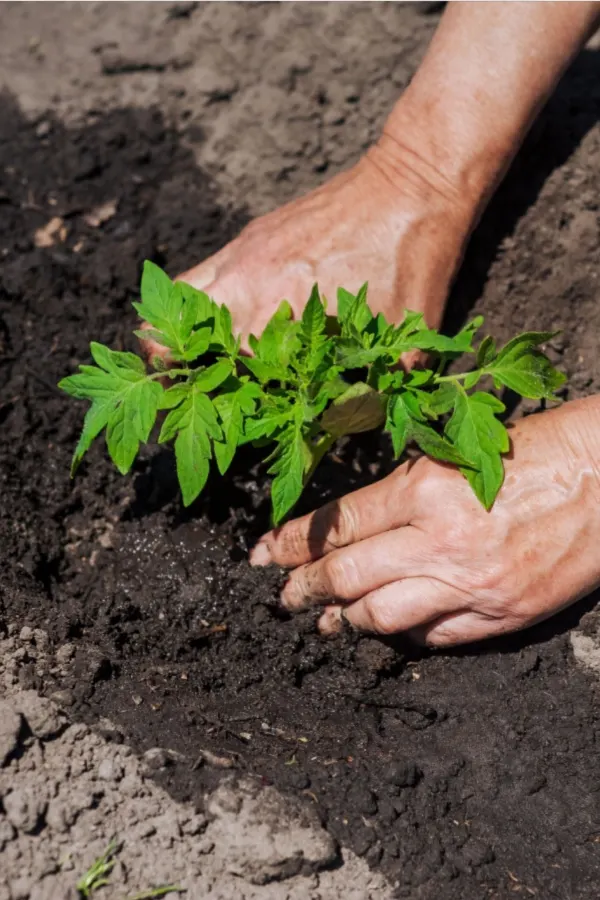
(456,775)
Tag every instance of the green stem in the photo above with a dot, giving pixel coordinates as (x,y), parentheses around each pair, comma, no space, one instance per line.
(170,373)
(438,379)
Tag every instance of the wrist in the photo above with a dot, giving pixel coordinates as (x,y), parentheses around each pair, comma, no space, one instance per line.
(440,145)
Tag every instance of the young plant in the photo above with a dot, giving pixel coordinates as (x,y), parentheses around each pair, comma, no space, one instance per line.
(307,384)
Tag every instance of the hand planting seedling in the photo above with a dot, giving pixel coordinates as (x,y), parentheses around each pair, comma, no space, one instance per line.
(308,383)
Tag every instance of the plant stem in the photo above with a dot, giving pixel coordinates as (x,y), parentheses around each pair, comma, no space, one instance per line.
(438,379)
(170,373)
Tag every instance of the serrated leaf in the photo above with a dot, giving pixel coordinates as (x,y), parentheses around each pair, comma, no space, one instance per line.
(442,399)
(434,445)
(195,426)
(276,345)
(360,314)
(267,425)
(521,367)
(197,344)
(96,418)
(486,352)
(265,372)
(130,422)
(123,399)
(223,330)
(359,408)
(151,334)
(397,424)
(345,302)
(312,330)
(482,439)
(433,342)
(155,291)
(232,422)
(209,379)
(292,461)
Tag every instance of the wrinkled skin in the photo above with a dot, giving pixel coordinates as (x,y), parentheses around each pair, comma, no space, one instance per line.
(403,232)
(417,553)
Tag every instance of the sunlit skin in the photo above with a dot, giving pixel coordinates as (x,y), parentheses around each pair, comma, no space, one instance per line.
(415,552)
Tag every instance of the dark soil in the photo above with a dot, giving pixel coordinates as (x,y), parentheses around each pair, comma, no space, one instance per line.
(463,775)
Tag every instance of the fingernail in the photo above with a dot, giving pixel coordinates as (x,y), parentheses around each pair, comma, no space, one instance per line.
(330,622)
(261,555)
(290,598)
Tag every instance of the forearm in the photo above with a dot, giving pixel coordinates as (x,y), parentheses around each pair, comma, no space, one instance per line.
(488,71)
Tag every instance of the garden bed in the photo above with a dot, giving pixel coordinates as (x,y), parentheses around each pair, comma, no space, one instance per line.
(459,775)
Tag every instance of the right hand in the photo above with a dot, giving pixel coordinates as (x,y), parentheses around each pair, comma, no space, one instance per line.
(390,221)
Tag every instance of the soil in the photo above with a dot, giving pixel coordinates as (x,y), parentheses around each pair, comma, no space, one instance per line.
(466,774)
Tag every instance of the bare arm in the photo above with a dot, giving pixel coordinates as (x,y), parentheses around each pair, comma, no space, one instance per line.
(487,73)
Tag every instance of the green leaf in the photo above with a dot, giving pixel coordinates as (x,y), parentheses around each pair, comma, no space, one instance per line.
(269,423)
(434,445)
(345,302)
(405,422)
(486,352)
(431,341)
(481,438)
(276,345)
(359,408)
(194,424)
(96,418)
(151,334)
(197,344)
(293,459)
(397,424)
(441,401)
(223,330)
(123,400)
(523,368)
(156,292)
(312,329)
(360,314)
(209,379)
(233,407)
(176,312)
(265,372)
(130,422)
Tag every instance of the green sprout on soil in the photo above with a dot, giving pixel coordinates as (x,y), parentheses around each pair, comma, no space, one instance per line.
(96,878)
(308,384)
(96,875)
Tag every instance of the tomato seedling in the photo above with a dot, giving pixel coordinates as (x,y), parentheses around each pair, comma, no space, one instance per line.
(307,384)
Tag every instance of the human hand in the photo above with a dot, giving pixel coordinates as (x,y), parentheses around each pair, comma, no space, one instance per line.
(396,224)
(417,553)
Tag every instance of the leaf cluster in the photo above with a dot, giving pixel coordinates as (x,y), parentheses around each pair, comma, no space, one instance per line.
(307,383)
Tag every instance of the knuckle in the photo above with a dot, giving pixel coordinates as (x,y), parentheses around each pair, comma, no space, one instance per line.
(382,618)
(346,530)
(291,543)
(340,576)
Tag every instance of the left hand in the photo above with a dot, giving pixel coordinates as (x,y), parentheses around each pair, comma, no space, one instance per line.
(417,553)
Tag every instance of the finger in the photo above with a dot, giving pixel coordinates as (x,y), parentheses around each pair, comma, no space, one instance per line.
(350,573)
(462,627)
(400,606)
(150,348)
(330,621)
(369,511)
